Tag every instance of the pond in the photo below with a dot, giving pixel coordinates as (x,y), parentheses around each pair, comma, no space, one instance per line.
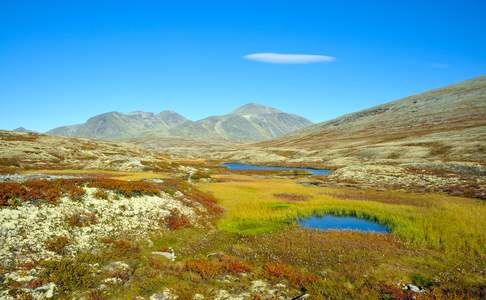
(331,222)
(246,167)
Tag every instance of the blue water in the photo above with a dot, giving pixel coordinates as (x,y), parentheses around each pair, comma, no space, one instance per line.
(245,167)
(330,222)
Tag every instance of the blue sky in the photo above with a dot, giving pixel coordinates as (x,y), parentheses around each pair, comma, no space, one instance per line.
(64,61)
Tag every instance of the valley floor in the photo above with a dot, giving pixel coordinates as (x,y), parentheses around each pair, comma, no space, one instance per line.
(231,235)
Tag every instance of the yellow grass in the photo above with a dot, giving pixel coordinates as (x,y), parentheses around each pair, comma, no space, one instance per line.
(456,225)
(110,174)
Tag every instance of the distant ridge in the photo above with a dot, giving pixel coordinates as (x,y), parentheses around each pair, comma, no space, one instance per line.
(23,129)
(248,123)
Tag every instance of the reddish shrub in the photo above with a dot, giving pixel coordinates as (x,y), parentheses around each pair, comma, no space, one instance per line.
(295,277)
(96,295)
(40,190)
(122,246)
(395,292)
(155,263)
(27,265)
(35,283)
(233,265)
(206,269)
(176,220)
(10,191)
(126,188)
(208,201)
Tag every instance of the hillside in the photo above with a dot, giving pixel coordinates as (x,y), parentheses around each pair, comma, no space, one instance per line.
(248,123)
(39,151)
(445,124)
(114,125)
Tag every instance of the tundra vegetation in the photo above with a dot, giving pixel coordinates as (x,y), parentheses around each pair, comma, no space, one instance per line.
(163,232)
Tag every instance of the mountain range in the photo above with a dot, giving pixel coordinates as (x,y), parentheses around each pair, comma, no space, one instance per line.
(248,123)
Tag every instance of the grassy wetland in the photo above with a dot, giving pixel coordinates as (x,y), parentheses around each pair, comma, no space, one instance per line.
(437,243)
(451,224)
(246,244)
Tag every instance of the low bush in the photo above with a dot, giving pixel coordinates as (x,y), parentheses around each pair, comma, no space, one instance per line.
(57,244)
(125,188)
(284,271)
(69,274)
(39,190)
(100,194)
(205,199)
(177,220)
(234,265)
(205,268)
(81,219)
(122,247)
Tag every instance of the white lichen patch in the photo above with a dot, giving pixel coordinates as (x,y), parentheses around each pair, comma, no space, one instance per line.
(25,231)
(258,289)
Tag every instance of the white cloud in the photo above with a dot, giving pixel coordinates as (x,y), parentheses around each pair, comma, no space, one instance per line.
(279,58)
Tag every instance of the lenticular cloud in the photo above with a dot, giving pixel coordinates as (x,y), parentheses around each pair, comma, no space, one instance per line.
(279,58)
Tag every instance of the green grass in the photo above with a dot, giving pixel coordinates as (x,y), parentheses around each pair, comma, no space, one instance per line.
(455,225)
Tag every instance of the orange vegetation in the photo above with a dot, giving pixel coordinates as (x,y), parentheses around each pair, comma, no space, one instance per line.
(284,271)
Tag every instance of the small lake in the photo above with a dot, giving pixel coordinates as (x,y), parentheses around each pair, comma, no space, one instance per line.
(331,222)
(250,167)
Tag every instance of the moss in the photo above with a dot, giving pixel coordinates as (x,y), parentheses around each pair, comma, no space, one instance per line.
(70,274)
(57,244)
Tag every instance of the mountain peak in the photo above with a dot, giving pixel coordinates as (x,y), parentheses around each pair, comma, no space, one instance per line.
(22,129)
(168,112)
(171,118)
(141,114)
(254,109)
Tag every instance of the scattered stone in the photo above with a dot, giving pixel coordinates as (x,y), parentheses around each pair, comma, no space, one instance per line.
(44,292)
(217,255)
(413,288)
(113,281)
(258,286)
(155,180)
(167,294)
(117,266)
(169,255)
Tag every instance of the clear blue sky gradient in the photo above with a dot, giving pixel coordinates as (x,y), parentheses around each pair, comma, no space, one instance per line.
(64,61)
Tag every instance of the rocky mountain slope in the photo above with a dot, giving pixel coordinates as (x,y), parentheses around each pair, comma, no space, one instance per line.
(445,124)
(114,125)
(250,122)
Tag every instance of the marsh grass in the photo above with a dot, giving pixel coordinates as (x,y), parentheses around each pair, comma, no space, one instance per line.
(452,224)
